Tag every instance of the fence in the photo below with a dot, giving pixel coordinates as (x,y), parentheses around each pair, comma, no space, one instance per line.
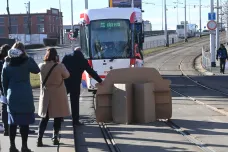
(206,58)
(159,42)
(39,58)
(29,39)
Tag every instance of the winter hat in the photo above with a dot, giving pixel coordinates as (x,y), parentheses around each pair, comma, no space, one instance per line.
(13,53)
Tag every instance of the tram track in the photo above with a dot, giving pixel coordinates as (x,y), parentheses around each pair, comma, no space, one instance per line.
(173,125)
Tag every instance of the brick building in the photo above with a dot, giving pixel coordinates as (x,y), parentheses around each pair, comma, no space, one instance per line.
(49,23)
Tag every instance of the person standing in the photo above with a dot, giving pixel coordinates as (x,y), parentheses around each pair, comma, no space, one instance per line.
(3,53)
(76,65)
(222,55)
(18,91)
(53,95)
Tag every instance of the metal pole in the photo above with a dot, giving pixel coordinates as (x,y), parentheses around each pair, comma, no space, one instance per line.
(200,21)
(86,4)
(221,13)
(30,31)
(185,28)
(132,3)
(72,22)
(189,14)
(9,17)
(217,29)
(166,33)
(60,24)
(212,41)
(162,16)
(177,14)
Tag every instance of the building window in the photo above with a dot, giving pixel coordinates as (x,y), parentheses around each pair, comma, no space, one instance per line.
(13,20)
(40,28)
(14,29)
(2,19)
(40,19)
(2,30)
(25,19)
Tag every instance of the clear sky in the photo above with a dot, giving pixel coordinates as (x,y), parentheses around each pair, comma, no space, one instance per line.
(152,12)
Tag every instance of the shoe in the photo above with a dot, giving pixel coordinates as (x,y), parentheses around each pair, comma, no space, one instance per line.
(6,133)
(78,123)
(25,149)
(13,149)
(55,140)
(39,142)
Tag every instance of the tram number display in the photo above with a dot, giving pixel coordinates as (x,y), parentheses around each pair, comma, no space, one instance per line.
(109,25)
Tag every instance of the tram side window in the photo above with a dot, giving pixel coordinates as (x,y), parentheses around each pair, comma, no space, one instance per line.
(84,41)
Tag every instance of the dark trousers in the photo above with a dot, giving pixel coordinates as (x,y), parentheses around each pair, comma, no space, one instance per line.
(222,65)
(43,126)
(5,116)
(74,99)
(24,130)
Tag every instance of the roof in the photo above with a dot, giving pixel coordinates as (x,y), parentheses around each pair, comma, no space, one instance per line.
(112,13)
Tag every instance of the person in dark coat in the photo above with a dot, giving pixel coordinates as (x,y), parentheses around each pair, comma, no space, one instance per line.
(3,53)
(222,55)
(76,64)
(18,91)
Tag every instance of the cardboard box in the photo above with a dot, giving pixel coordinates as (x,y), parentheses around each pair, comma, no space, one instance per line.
(103,114)
(122,103)
(144,103)
(140,75)
(164,111)
(163,96)
(104,108)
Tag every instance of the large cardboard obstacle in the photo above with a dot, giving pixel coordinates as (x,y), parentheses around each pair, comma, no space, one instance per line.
(161,93)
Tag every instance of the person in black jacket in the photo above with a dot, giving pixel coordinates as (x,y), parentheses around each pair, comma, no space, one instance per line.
(222,56)
(3,53)
(76,64)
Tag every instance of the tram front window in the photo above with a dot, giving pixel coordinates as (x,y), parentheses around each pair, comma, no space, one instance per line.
(110,39)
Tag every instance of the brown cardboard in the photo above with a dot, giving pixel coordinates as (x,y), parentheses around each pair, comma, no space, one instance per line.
(122,103)
(104,108)
(104,100)
(133,75)
(144,103)
(164,111)
(163,96)
(141,75)
(104,114)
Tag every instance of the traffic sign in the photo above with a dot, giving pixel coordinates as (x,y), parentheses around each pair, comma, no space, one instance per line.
(211,16)
(211,25)
(70,36)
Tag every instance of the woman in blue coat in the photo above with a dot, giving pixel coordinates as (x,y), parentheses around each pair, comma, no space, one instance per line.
(17,88)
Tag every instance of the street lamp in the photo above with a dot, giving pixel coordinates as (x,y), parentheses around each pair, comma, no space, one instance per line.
(166,32)
(9,18)
(60,24)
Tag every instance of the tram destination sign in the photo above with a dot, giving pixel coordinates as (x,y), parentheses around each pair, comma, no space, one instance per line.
(110,24)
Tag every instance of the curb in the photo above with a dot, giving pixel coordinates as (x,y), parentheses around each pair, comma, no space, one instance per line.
(197,64)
